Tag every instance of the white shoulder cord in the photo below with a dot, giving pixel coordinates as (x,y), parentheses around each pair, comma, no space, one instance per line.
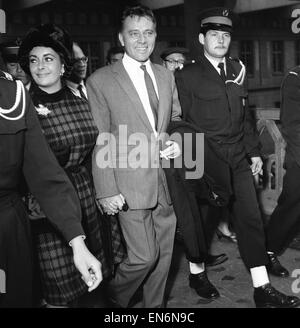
(20,93)
(240,78)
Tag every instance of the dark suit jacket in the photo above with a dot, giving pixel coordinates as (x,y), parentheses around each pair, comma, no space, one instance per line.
(290,115)
(217,109)
(214,188)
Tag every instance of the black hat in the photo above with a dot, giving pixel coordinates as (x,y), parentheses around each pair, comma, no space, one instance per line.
(217,18)
(173,50)
(46,35)
(9,51)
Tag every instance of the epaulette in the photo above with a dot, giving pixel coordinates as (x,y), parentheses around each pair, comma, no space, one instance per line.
(7,113)
(295,71)
(6,76)
(189,63)
(234,59)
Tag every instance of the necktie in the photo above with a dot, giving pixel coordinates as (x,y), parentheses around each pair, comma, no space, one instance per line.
(82,95)
(151,93)
(223,75)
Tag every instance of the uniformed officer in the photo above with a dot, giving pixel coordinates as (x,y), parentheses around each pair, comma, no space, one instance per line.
(9,51)
(174,57)
(213,97)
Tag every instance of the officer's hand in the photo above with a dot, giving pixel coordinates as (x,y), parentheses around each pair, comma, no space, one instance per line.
(172,151)
(256,166)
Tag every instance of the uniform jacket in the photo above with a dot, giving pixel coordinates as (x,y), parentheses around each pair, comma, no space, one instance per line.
(217,108)
(114,102)
(290,114)
(24,150)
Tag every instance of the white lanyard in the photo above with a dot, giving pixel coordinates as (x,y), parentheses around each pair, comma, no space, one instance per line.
(20,93)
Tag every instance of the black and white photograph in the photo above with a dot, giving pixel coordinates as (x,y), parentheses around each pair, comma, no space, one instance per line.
(147,157)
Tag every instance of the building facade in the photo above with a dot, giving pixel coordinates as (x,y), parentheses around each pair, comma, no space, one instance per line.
(263,39)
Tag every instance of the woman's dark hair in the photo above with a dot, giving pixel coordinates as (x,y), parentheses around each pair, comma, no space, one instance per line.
(139,11)
(47,35)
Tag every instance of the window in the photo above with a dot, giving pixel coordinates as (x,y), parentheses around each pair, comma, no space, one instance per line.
(277,57)
(92,50)
(247,56)
(297,54)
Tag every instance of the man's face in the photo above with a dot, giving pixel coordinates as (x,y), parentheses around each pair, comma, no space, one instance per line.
(17,72)
(174,61)
(215,43)
(80,64)
(138,37)
(116,57)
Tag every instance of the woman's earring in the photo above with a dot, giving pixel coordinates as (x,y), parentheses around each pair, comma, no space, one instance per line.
(62,71)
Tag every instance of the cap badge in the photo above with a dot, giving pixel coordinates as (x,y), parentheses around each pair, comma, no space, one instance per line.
(225,13)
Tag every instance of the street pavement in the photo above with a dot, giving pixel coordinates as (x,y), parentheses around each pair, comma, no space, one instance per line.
(231,278)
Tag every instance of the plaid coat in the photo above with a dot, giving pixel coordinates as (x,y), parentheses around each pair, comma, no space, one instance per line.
(71,133)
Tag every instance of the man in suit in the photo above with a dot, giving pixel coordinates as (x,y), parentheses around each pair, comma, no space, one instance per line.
(213,98)
(76,80)
(174,58)
(132,102)
(114,54)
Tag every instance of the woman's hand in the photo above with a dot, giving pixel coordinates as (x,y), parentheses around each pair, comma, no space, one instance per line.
(86,263)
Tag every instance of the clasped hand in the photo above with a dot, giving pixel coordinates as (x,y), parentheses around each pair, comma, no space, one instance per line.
(112,205)
(173,151)
(256,166)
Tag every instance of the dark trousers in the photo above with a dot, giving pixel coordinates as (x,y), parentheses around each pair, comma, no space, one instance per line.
(284,223)
(247,219)
(15,255)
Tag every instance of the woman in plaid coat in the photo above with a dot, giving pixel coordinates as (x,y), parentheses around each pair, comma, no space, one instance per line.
(71,133)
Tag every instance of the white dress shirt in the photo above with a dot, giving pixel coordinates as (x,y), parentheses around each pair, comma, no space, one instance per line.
(74,88)
(136,74)
(215,64)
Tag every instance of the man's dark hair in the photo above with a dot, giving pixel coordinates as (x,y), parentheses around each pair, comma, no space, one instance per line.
(113,51)
(139,11)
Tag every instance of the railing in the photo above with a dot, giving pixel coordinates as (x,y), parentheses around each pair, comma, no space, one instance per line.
(270,185)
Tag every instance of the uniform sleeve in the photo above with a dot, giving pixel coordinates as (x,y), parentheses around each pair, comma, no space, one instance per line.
(47,181)
(251,138)
(104,177)
(176,108)
(290,114)
(183,94)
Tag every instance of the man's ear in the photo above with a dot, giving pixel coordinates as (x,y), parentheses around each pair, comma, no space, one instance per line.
(121,39)
(201,38)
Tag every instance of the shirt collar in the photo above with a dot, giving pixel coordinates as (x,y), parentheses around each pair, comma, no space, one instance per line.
(215,62)
(132,63)
(74,85)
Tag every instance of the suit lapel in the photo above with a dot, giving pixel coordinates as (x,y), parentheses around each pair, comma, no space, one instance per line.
(162,107)
(125,82)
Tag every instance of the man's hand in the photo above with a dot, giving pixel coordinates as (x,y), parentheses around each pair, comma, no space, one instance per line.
(86,263)
(172,151)
(112,205)
(256,166)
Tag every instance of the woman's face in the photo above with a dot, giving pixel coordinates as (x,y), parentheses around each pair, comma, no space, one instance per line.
(46,68)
